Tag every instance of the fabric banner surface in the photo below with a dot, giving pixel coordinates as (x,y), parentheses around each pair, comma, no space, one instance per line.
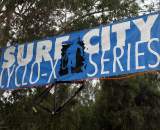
(125,47)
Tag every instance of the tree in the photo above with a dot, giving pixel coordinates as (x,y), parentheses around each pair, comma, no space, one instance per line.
(113,105)
(130,104)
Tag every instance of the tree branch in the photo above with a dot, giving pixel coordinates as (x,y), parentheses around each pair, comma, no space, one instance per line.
(77,19)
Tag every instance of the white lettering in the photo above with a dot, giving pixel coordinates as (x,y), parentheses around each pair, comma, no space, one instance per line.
(29,54)
(2,86)
(10,74)
(38,73)
(120,29)
(129,57)
(105,38)
(9,57)
(58,46)
(102,63)
(116,59)
(43,50)
(137,54)
(95,66)
(24,74)
(53,73)
(89,48)
(145,27)
(154,53)
(16,75)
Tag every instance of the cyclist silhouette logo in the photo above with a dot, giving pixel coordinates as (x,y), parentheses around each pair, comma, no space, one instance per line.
(72,60)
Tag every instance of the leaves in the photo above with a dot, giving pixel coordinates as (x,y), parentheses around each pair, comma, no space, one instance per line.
(131,104)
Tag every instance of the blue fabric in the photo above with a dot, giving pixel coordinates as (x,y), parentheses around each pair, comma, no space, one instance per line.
(77,63)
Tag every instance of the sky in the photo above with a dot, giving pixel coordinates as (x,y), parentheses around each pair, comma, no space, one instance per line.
(146,2)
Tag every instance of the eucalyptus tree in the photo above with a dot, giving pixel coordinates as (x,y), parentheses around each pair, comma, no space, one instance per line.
(113,106)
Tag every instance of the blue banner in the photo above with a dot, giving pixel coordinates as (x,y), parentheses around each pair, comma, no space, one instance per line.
(125,47)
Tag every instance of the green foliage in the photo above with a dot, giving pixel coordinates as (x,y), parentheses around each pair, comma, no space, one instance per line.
(130,104)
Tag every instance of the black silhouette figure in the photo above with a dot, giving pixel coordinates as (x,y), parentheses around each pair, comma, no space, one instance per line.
(64,60)
(72,58)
